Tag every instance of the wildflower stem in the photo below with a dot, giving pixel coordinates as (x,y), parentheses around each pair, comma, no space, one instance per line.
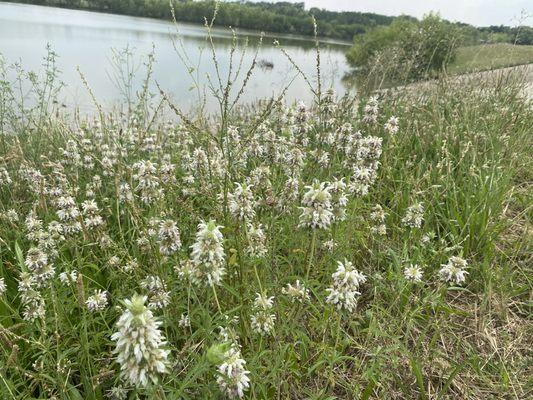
(216,298)
(338,329)
(257,277)
(311,255)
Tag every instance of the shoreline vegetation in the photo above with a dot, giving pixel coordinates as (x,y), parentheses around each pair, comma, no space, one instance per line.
(370,247)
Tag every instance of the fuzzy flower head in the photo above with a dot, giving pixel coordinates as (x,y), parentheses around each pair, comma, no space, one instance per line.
(232,376)
(39,266)
(414,216)
(139,344)
(208,255)
(371,111)
(169,238)
(68,278)
(262,318)
(345,289)
(317,211)
(159,297)
(413,273)
(454,270)
(297,292)
(241,202)
(97,302)
(392,125)
(184,321)
(256,241)
(5,179)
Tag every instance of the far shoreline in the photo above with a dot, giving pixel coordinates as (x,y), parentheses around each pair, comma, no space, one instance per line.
(239,31)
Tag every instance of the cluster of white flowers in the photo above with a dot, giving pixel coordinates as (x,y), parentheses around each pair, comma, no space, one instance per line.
(317,211)
(140,344)
(125,194)
(362,155)
(68,278)
(117,393)
(98,301)
(392,125)
(232,376)
(184,321)
(207,256)
(34,178)
(345,289)
(10,215)
(31,299)
(119,192)
(169,238)
(68,213)
(91,214)
(256,241)
(159,297)
(262,318)
(71,155)
(289,194)
(39,266)
(371,111)
(241,202)
(148,181)
(413,273)
(5,179)
(378,217)
(414,216)
(297,292)
(3,286)
(339,200)
(454,270)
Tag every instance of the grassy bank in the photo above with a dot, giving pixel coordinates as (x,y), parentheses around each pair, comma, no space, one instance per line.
(349,248)
(490,56)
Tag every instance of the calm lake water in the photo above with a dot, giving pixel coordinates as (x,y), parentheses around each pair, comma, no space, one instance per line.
(86,39)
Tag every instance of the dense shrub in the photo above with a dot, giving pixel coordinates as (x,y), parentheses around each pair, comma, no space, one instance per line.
(406,49)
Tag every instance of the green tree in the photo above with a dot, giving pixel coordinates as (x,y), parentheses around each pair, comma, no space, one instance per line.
(406,49)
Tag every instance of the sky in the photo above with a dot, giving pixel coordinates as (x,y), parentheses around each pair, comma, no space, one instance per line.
(475,12)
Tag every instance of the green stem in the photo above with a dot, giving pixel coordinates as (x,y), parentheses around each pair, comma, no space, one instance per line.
(311,255)
(216,298)
(257,277)
(338,329)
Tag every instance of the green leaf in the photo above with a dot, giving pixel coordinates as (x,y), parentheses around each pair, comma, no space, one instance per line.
(20,258)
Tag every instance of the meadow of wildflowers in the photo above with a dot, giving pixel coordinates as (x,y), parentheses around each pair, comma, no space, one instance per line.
(352,248)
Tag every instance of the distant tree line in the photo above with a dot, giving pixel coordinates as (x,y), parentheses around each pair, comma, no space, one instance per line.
(281,17)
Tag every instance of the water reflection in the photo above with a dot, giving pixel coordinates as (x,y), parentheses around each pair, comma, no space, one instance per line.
(85,39)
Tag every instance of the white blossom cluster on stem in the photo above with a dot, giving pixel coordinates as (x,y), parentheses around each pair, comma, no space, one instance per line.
(297,292)
(413,273)
(207,256)
(414,216)
(241,202)
(168,237)
(232,375)
(317,211)
(256,247)
(262,318)
(140,344)
(377,216)
(345,289)
(454,270)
